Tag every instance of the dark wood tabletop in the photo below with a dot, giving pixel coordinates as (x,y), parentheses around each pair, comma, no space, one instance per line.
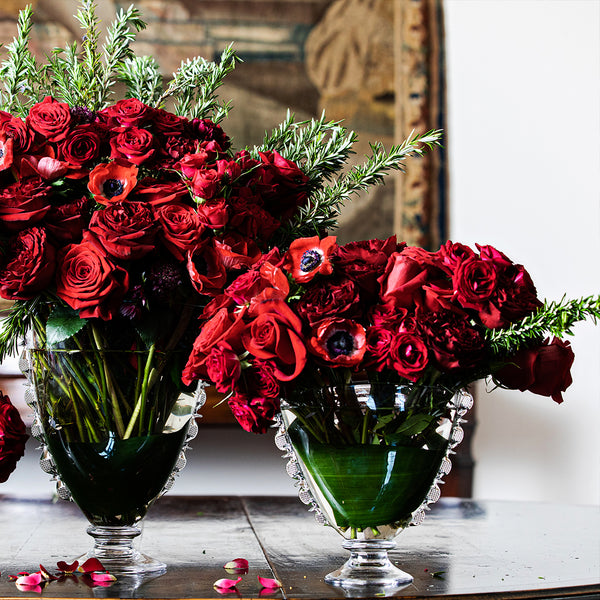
(465,549)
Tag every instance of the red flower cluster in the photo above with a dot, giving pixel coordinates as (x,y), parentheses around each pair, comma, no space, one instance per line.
(12,437)
(92,204)
(375,307)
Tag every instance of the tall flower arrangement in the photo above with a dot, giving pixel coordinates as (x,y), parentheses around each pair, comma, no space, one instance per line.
(120,219)
(326,315)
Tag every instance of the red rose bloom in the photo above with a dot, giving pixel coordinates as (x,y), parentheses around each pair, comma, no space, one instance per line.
(338,342)
(168,123)
(275,335)
(237,252)
(50,118)
(135,145)
(254,415)
(213,213)
(12,437)
(223,367)
(379,342)
(308,257)
(29,265)
(249,218)
(15,129)
(24,203)
(65,222)
(129,112)
(452,255)
(126,230)
(81,146)
(112,182)
(181,228)
(159,192)
(88,282)
(543,370)
(205,183)
(329,299)
(408,356)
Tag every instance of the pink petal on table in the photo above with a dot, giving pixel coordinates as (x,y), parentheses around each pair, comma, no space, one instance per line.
(237,566)
(269,583)
(33,579)
(87,579)
(226,584)
(90,565)
(29,588)
(67,568)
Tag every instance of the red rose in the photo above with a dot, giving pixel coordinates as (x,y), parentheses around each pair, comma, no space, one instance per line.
(308,257)
(12,437)
(167,123)
(29,266)
(135,145)
(379,342)
(213,213)
(408,355)
(250,285)
(338,342)
(207,131)
(129,112)
(81,146)
(264,382)
(405,275)
(254,415)
(452,255)
(181,228)
(329,299)
(24,203)
(16,130)
(50,118)
(223,367)
(543,370)
(65,222)
(237,252)
(205,183)
(88,282)
(275,335)
(112,182)
(206,269)
(126,230)
(222,326)
(249,218)
(365,261)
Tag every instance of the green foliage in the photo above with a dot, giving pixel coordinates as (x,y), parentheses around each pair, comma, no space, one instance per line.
(553,318)
(143,79)
(63,323)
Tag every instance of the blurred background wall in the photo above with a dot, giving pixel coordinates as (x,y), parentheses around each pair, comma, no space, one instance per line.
(523,125)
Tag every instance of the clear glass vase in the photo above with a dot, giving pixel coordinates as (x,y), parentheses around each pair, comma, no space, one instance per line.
(114,427)
(368,459)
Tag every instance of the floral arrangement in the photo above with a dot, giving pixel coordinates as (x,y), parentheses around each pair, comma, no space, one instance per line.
(321,314)
(120,219)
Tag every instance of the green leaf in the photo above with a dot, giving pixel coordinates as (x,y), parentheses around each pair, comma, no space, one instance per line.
(63,323)
(415,424)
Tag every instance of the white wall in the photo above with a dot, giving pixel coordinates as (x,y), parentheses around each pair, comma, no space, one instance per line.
(524,151)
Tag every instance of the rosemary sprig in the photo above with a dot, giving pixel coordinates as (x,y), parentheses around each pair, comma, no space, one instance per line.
(553,318)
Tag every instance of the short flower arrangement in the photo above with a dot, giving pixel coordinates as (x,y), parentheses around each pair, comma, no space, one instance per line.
(321,314)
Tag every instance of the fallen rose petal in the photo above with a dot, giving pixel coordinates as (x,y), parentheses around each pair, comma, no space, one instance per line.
(269,583)
(237,566)
(90,582)
(90,565)
(267,592)
(46,574)
(33,579)
(226,583)
(67,568)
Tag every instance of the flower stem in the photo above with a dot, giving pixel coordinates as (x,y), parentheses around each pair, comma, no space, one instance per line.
(142,397)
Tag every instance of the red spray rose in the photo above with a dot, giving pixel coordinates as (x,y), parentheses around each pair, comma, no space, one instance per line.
(543,370)
(135,145)
(50,118)
(408,355)
(112,182)
(12,437)
(223,366)
(29,265)
(255,415)
(129,112)
(89,282)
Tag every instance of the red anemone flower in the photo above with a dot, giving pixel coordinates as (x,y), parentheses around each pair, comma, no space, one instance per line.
(339,342)
(308,257)
(112,182)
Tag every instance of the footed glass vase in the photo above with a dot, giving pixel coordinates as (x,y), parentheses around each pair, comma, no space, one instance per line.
(114,427)
(368,459)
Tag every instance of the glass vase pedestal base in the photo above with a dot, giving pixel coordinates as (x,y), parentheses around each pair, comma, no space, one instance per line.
(369,566)
(113,547)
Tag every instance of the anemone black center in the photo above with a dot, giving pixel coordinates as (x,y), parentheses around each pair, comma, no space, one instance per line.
(340,342)
(112,188)
(310,260)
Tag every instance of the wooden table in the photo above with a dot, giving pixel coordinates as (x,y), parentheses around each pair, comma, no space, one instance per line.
(465,549)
